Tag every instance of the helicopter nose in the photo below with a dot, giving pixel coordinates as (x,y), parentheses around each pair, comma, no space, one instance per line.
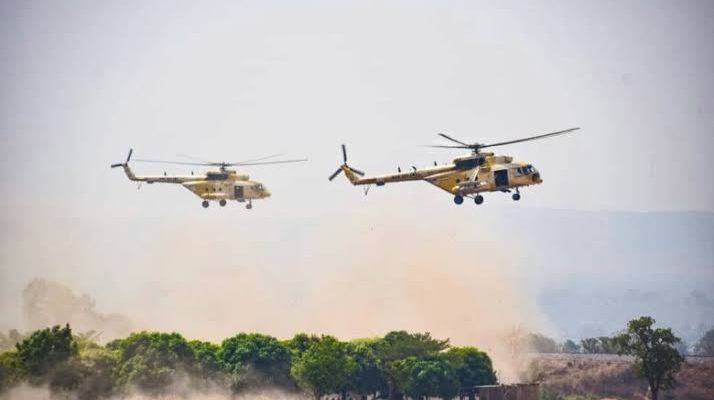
(536,178)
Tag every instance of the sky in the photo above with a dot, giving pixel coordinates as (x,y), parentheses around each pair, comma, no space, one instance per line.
(81,82)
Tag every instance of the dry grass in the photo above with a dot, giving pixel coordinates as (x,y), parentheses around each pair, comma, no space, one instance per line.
(603,376)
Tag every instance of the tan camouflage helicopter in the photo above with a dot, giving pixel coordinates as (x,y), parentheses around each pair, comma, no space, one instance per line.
(466,176)
(222,185)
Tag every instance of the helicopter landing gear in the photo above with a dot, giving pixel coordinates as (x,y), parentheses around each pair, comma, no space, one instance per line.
(249,205)
(458,199)
(222,202)
(205,204)
(478,199)
(516,196)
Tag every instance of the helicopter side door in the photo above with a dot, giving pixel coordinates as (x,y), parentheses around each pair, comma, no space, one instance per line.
(500,178)
(239,192)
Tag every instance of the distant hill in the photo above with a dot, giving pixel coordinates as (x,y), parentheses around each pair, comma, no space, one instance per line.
(593,271)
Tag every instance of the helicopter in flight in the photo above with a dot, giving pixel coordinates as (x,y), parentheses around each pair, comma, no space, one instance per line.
(219,185)
(466,176)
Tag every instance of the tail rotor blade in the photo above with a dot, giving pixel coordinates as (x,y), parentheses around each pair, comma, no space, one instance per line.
(344,153)
(335,174)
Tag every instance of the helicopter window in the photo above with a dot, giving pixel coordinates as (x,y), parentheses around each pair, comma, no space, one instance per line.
(469,163)
(216,177)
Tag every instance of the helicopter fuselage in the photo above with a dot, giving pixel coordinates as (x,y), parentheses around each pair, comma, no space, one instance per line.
(213,185)
(464,176)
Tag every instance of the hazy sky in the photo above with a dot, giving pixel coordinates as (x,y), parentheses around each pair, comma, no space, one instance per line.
(83,81)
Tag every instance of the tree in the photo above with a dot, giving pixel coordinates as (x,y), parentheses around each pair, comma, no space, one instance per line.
(151,361)
(300,342)
(45,349)
(206,355)
(429,377)
(399,345)
(471,366)
(325,367)
(261,359)
(11,370)
(705,346)
(541,343)
(367,378)
(570,347)
(591,345)
(656,358)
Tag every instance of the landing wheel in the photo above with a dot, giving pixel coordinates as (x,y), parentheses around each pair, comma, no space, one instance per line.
(205,204)
(458,199)
(222,202)
(249,206)
(516,196)
(478,199)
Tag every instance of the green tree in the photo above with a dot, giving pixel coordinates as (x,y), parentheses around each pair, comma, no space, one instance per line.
(656,358)
(705,346)
(258,360)
(367,378)
(472,367)
(325,367)
(11,370)
(206,355)
(300,342)
(432,376)
(399,345)
(45,349)
(151,360)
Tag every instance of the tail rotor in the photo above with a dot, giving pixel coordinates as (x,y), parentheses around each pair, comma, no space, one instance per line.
(125,163)
(344,166)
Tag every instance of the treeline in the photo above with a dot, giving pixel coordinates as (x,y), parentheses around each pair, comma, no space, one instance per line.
(398,364)
(539,343)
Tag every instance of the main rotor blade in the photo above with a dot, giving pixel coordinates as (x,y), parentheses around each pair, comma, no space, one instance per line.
(176,162)
(547,135)
(116,165)
(260,159)
(266,162)
(335,174)
(344,153)
(447,146)
(447,137)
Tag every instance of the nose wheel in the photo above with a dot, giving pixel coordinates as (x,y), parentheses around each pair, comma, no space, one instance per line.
(205,203)
(478,199)
(516,196)
(249,205)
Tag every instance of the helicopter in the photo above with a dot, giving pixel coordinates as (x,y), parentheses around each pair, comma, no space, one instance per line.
(221,185)
(465,177)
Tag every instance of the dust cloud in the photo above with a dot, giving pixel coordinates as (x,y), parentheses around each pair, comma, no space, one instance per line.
(46,303)
(27,392)
(358,279)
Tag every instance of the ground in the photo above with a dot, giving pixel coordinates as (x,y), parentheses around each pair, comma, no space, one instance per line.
(611,377)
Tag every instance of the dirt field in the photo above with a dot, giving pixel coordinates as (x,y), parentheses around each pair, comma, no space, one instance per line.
(607,376)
